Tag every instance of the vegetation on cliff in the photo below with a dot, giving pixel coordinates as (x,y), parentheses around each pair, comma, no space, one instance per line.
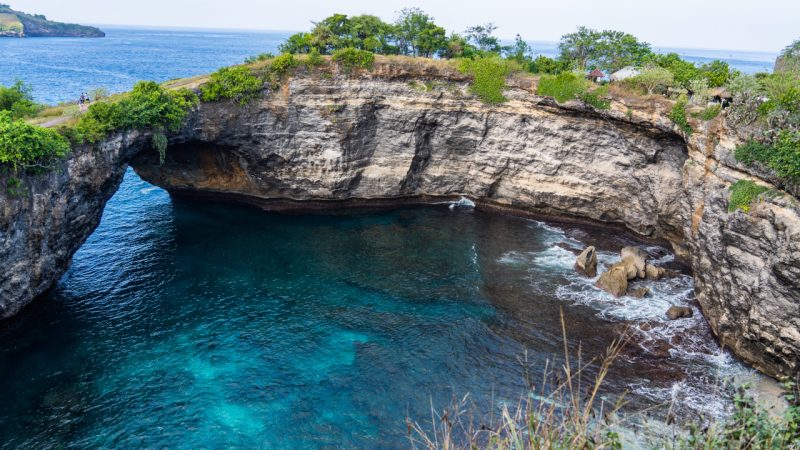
(19,24)
(28,147)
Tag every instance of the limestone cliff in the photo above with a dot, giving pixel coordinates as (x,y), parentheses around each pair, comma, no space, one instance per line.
(377,138)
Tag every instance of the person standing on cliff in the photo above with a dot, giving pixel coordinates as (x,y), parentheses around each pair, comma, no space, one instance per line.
(82,101)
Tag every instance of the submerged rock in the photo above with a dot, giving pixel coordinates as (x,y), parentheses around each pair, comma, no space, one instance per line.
(641,292)
(679,312)
(614,280)
(586,263)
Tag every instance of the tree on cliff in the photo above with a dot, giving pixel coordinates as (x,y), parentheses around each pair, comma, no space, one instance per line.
(789,59)
(418,35)
(608,50)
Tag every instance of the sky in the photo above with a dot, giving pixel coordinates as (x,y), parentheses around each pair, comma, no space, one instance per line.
(755,25)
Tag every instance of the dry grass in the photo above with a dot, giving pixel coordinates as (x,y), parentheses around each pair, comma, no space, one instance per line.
(563,412)
(10,22)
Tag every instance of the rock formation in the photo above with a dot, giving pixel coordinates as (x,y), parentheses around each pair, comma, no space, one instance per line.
(586,263)
(375,140)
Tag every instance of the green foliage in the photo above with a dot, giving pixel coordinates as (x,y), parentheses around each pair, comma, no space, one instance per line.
(743,193)
(789,59)
(563,87)
(750,427)
(683,72)
(17,100)
(752,151)
(351,59)
(27,146)
(258,58)
(339,31)
(521,53)
(782,156)
(651,79)
(718,73)
(596,98)
(314,59)
(678,116)
(147,107)
(160,142)
(488,77)
(608,50)
(543,64)
(457,46)
(482,37)
(281,64)
(417,34)
(236,83)
(708,113)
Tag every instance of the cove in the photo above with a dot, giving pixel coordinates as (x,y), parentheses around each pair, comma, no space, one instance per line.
(186,324)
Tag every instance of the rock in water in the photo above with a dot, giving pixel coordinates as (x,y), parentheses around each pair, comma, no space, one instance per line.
(641,292)
(587,262)
(679,312)
(637,257)
(654,273)
(614,280)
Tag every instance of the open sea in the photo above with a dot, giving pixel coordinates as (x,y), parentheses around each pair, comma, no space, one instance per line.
(193,325)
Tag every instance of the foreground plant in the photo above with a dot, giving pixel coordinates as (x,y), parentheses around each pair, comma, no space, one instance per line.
(563,412)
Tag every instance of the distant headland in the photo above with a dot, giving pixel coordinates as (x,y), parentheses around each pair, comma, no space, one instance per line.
(18,24)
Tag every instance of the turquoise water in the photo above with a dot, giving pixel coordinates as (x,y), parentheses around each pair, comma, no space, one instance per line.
(199,325)
(192,325)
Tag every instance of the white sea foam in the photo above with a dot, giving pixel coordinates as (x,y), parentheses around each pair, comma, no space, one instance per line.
(462,202)
(689,341)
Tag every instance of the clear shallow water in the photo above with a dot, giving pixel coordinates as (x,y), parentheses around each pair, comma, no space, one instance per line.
(201,325)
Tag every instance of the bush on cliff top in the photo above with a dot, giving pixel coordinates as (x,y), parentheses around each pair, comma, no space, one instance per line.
(147,107)
(351,59)
(488,76)
(25,146)
(563,87)
(237,83)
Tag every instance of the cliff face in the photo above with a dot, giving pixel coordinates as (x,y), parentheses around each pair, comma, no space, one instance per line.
(48,217)
(378,139)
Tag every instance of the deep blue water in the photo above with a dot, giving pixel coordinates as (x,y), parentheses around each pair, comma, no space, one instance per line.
(201,325)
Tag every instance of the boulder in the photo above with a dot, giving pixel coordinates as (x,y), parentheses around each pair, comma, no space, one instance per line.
(679,312)
(586,263)
(630,268)
(637,257)
(614,280)
(654,273)
(641,292)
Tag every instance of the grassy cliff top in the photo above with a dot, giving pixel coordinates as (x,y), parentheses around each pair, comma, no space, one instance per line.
(19,24)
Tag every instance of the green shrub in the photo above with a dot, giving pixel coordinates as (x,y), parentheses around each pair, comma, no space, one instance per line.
(27,146)
(752,151)
(351,59)
(488,77)
(563,87)
(743,193)
(678,116)
(17,99)
(147,107)
(314,59)
(783,156)
(281,64)
(708,113)
(258,58)
(596,98)
(235,83)
(786,158)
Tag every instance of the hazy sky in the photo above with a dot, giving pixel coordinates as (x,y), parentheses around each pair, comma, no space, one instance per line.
(766,25)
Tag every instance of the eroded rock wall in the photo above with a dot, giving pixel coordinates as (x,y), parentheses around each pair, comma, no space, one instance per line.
(340,142)
(47,217)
